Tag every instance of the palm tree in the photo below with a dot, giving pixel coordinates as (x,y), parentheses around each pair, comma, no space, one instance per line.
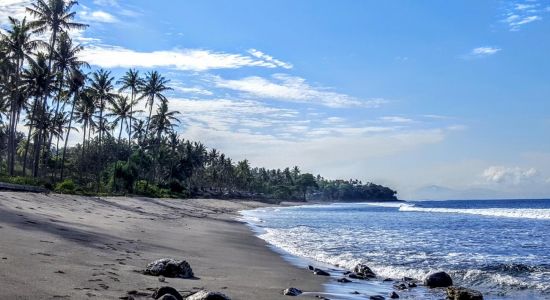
(121,109)
(66,59)
(139,130)
(163,121)
(76,82)
(38,83)
(54,16)
(154,87)
(18,45)
(84,114)
(102,91)
(131,81)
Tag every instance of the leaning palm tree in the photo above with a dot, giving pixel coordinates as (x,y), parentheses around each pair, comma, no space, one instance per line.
(18,44)
(132,82)
(102,90)
(76,82)
(154,88)
(121,110)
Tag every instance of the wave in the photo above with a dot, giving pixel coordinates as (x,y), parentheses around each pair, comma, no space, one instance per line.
(522,213)
(386,204)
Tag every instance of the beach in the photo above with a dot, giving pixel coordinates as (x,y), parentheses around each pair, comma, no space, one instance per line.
(56,246)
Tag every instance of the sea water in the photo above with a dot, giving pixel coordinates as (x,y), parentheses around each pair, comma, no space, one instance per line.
(499,247)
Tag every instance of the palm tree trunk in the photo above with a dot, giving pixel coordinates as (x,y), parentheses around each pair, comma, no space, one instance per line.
(120,132)
(45,100)
(29,138)
(67,136)
(13,119)
(131,120)
(149,118)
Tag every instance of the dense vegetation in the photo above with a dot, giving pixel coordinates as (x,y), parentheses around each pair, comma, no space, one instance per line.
(45,88)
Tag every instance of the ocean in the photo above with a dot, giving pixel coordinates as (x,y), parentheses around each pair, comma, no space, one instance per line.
(499,247)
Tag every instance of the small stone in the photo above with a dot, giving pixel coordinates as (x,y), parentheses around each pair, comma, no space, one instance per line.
(364,271)
(344,280)
(162,278)
(160,292)
(292,292)
(387,279)
(377,297)
(394,295)
(321,272)
(461,293)
(207,295)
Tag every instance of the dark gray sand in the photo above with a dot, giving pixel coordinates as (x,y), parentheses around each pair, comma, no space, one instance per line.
(74,247)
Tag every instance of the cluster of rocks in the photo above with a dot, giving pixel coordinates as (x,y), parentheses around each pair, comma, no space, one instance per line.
(434,280)
(172,268)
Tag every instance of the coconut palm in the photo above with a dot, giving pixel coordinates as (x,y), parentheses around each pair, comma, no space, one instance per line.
(76,83)
(133,82)
(18,45)
(84,114)
(102,88)
(121,110)
(154,88)
(164,120)
(54,16)
(38,82)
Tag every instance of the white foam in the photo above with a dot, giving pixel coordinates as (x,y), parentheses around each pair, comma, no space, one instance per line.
(386,204)
(523,213)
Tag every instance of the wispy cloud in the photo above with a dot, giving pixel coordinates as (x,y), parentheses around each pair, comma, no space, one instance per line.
(293,89)
(97,16)
(396,119)
(484,51)
(520,13)
(109,56)
(259,54)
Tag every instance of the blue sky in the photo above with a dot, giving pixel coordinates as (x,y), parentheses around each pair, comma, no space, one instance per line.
(438,99)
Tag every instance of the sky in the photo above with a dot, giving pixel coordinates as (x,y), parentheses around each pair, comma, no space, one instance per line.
(436,99)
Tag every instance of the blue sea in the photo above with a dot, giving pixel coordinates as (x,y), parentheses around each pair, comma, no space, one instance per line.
(499,247)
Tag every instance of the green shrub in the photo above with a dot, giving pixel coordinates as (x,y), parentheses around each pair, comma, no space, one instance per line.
(67,186)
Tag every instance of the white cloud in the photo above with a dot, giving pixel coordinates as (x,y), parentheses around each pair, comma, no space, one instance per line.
(180,59)
(12,8)
(97,16)
(294,89)
(508,175)
(259,54)
(521,13)
(484,51)
(396,119)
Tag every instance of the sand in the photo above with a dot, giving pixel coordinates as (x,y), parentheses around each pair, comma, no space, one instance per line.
(75,247)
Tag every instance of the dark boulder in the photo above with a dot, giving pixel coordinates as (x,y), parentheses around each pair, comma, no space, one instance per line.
(171,268)
(167,290)
(377,297)
(292,292)
(400,286)
(207,295)
(344,280)
(394,295)
(321,272)
(439,279)
(363,271)
(168,297)
(461,293)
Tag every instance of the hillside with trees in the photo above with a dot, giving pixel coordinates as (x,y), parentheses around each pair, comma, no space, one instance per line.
(49,91)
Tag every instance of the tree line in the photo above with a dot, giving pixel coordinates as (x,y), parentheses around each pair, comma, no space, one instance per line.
(47,92)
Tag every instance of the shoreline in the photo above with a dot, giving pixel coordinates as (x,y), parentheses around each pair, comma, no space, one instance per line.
(75,247)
